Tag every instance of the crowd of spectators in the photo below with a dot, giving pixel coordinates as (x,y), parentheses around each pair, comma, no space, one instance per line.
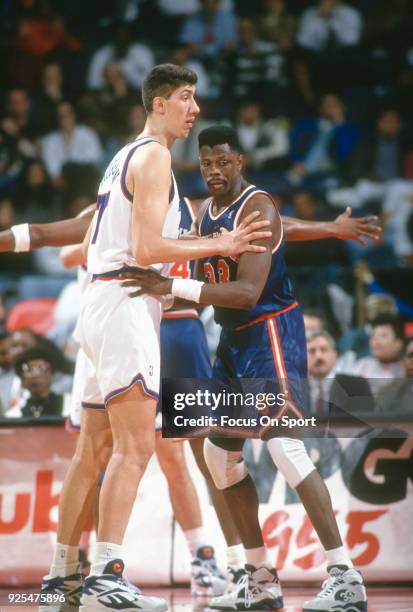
(320,93)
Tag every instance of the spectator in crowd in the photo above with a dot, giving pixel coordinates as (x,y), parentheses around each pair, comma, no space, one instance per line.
(265,143)
(180,55)
(35,369)
(381,156)
(36,198)
(18,122)
(322,146)
(277,25)
(327,386)
(357,340)
(256,68)
(25,340)
(328,36)
(51,93)
(313,321)
(209,32)
(135,60)
(386,344)
(397,396)
(70,142)
(6,371)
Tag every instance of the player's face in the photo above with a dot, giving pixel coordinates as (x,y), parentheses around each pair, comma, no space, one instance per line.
(181,111)
(321,357)
(220,168)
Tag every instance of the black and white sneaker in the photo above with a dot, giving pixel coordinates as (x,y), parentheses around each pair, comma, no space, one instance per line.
(60,593)
(256,589)
(110,591)
(343,591)
(206,578)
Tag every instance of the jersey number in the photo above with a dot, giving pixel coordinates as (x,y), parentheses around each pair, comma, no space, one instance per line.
(180,270)
(223,272)
(101,204)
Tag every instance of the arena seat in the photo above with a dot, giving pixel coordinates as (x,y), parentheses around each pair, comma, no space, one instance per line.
(37,315)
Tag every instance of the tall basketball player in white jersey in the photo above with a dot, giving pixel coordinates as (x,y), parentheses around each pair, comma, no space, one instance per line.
(136,223)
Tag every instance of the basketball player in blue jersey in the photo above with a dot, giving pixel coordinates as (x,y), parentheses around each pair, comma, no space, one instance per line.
(263,337)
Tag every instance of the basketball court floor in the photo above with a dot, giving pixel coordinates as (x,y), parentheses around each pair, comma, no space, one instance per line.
(389,599)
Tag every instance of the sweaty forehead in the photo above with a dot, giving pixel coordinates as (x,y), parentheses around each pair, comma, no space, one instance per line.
(216,150)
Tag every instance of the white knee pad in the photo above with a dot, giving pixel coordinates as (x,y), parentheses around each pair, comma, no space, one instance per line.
(291,458)
(226,467)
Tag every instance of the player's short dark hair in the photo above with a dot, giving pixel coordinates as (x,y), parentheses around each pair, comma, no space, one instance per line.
(392,321)
(163,80)
(219,135)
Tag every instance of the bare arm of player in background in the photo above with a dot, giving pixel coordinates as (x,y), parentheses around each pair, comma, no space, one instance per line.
(59,233)
(252,273)
(149,178)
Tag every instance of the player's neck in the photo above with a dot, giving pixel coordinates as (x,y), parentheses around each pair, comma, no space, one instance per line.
(157,131)
(229,197)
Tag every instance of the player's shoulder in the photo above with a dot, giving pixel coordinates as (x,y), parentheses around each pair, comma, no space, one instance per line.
(261,200)
(152,152)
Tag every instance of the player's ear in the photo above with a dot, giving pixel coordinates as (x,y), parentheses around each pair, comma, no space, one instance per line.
(241,161)
(159,105)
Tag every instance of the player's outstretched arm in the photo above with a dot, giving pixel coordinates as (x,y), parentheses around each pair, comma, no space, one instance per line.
(253,270)
(344,227)
(59,233)
(150,178)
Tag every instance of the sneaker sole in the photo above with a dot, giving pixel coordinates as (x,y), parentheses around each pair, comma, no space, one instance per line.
(274,604)
(101,607)
(350,607)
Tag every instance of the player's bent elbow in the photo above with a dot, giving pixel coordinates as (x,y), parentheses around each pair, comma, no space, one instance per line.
(247,299)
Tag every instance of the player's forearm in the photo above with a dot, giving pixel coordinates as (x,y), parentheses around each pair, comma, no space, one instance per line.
(59,233)
(72,255)
(167,250)
(235,294)
(298,230)
(6,241)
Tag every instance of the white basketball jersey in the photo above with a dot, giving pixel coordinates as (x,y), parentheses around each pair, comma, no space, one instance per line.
(110,246)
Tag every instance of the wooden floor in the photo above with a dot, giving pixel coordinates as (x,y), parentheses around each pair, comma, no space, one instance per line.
(380,599)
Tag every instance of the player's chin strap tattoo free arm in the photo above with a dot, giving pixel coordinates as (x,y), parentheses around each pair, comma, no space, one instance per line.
(252,273)
(344,227)
(57,234)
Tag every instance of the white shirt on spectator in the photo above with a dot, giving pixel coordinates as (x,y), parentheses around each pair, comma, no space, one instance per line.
(189,7)
(83,147)
(314,29)
(138,61)
(276,139)
(378,373)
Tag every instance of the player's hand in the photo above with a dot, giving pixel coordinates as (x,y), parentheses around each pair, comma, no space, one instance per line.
(146,281)
(239,240)
(359,229)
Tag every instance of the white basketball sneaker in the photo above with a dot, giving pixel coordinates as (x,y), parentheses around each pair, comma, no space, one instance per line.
(206,578)
(256,589)
(343,591)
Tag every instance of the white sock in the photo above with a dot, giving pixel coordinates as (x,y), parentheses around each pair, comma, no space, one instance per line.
(65,560)
(195,539)
(236,556)
(103,553)
(258,557)
(338,556)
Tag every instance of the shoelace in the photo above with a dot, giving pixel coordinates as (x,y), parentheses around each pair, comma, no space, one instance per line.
(328,586)
(249,593)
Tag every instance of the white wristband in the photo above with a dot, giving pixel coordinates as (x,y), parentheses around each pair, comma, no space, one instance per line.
(187,289)
(21,235)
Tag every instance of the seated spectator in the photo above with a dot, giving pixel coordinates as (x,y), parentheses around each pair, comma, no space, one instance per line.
(328,36)
(35,369)
(313,321)
(205,87)
(135,60)
(398,395)
(357,340)
(256,68)
(265,143)
(322,146)
(36,198)
(18,122)
(386,344)
(6,371)
(209,32)
(380,156)
(277,25)
(327,386)
(70,142)
(51,93)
